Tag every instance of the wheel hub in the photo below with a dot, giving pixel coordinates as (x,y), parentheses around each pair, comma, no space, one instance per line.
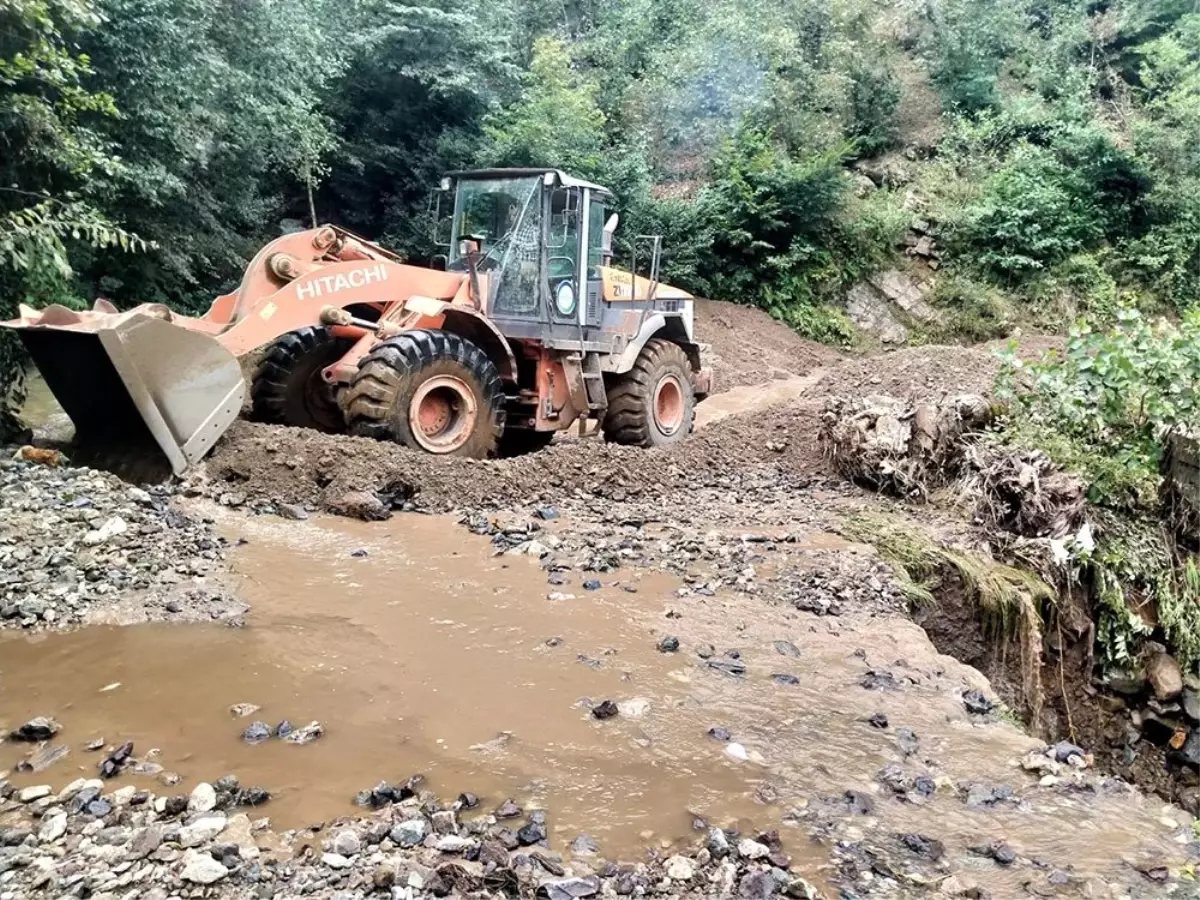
(442,414)
(668,404)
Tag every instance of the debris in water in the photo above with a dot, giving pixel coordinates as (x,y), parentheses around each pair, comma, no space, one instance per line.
(737,751)
(787,648)
(733,668)
(305,735)
(719,733)
(43,758)
(242,710)
(878,720)
(605,710)
(360,553)
(41,728)
(110,687)
(879,680)
(906,740)
(781,678)
(508,810)
(592,584)
(256,732)
(669,644)
(976,703)
(115,762)
(94,745)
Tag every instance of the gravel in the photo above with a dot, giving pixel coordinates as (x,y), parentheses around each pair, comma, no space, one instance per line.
(79,546)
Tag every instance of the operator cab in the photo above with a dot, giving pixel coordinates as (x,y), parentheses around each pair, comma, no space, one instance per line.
(538,239)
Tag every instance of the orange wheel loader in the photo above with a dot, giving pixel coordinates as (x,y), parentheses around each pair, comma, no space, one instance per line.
(524,329)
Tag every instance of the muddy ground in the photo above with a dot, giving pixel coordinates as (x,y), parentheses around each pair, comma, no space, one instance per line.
(781,726)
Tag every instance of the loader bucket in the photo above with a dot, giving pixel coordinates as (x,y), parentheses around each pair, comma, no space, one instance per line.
(132,380)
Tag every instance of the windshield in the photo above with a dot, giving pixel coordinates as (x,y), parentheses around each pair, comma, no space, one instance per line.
(503,214)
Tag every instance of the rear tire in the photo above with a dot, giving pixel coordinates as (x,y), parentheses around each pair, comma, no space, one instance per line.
(653,404)
(288,388)
(428,390)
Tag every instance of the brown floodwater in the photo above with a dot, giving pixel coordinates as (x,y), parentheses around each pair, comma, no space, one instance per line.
(432,655)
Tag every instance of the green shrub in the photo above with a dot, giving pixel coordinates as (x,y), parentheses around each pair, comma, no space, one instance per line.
(1106,404)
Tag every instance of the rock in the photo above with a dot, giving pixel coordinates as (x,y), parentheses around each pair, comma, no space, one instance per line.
(346,843)
(707,651)
(305,735)
(242,710)
(203,798)
(52,828)
(718,733)
(605,710)
(1190,701)
(533,833)
(361,505)
(749,849)
(283,729)
(569,888)
(781,678)
(732,667)
(444,822)
(34,792)
(201,868)
(1164,675)
(787,648)
(923,846)
(40,729)
(976,703)
(335,861)
(507,810)
(878,720)
(959,886)
(1066,752)
(546,513)
(584,845)
(291,511)
(1003,854)
(93,745)
(718,843)
(634,708)
(256,733)
(43,758)
(145,841)
(669,644)
(201,831)
(592,584)
(907,294)
(113,764)
(758,886)
(680,868)
(879,680)
(907,741)
(869,310)
(410,832)
(452,843)
(111,528)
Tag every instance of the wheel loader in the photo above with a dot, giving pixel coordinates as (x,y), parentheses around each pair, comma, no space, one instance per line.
(522,328)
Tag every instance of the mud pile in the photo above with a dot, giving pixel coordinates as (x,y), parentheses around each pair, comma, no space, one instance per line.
(750,347)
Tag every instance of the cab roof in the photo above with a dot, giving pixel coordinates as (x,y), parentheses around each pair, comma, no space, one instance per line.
(560,177)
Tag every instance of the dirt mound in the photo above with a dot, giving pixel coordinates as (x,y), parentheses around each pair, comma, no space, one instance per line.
(917,373)
(750,347)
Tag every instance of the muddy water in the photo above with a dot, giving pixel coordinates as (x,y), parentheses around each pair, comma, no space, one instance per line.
(416,659)
(431,655)
(41,411)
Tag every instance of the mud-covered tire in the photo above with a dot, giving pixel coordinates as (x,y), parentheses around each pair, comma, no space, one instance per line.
(400,375)
(653,404)
(521,441)
(287,387)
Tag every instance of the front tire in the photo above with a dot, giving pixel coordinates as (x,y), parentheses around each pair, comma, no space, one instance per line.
(288,388)
(429,390)
(653,404)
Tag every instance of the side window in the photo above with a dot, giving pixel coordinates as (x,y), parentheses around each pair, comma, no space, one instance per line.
(562,266)
(597,216)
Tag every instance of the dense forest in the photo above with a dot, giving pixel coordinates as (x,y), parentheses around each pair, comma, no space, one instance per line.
(148,147)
